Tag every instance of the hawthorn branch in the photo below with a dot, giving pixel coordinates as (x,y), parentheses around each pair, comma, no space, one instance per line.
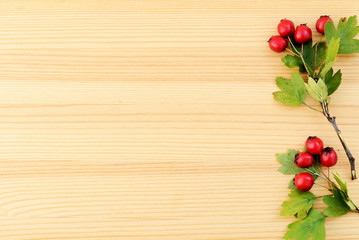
(332,120)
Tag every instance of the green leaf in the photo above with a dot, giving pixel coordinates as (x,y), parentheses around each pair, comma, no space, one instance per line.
(321,52)
(346,31)
(294,61)
(332,81)
(318,90)
(283,83)
(290,168)
(336,205)
(291,184)
(309,55)
(293,92)
(343,185)
(287,160)
(311,226)
(343,190)
(300,204)
(329,31)
(331,55)
(332,50)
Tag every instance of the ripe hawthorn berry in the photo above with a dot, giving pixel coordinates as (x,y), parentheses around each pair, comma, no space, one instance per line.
(286,28)
(277,43)
(302,34)
(304,181)
(328,157)
(304,160)
(321,23)
(314,145)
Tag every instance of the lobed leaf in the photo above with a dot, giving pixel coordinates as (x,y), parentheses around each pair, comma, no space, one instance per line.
(332,81)
(311,226)
(317,90)
(336,205)
(293,61)
(346,31)
(299,205)
(293,92)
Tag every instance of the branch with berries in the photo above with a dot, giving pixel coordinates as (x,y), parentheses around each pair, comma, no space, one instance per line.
(307,166)
(316,62)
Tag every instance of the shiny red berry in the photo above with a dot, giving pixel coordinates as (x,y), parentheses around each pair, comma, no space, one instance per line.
(314,145)
(286,28)
(321,23)
(304,181)
(328,157)
(304,160)
(277,43)
(302,34)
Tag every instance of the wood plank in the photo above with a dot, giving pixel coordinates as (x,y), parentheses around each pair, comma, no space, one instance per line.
(155,119)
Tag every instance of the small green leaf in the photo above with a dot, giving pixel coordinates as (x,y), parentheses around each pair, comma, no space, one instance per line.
(336,205)
(293,61)
(346,31)
(343,185)
(300,204)
(344,191)
(332,81)
(331,55)
(318,90)
(311,226)
(293,92)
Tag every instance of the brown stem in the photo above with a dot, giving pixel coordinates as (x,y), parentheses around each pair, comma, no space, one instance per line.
(332,120)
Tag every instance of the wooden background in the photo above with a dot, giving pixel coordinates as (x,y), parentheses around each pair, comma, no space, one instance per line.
(154,119)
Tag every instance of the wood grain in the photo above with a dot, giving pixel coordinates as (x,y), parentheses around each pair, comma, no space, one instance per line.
(155,119)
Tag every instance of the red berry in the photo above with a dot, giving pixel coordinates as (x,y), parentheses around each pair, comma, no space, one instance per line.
(304,160)
(314,145)
(277,43)
(321,23)
(304,181)
(285,28)
(302,34)
(328,157)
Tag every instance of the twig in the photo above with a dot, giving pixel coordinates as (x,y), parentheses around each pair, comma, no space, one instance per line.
(332,120)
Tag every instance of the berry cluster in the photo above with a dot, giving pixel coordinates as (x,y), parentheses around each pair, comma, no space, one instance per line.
(302,34)
(314,147)
(307,167)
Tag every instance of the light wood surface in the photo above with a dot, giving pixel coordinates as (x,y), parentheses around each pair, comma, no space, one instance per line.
(155,119)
